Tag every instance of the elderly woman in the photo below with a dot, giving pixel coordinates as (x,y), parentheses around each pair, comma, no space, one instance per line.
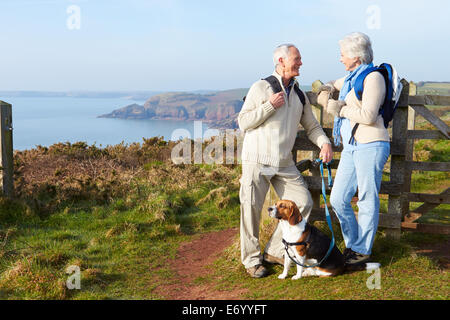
(365,148)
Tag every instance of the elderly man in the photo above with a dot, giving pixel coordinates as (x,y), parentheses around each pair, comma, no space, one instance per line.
(270,122)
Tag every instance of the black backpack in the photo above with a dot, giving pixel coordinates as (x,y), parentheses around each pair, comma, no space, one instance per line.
(276,87)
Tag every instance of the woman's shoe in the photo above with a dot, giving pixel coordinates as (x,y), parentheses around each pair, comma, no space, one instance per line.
(354,258)
(346,252)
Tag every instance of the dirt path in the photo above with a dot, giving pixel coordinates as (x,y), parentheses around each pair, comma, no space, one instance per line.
(192,261)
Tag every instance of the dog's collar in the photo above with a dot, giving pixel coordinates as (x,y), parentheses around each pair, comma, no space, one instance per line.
(301,243)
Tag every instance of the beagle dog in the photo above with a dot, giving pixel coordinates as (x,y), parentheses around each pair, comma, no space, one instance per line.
(311,244)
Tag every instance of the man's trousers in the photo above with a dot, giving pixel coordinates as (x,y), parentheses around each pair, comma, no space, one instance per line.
(255,182)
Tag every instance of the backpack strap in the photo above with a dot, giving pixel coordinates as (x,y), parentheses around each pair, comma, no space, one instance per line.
(359,82)
(276,86)
(274,83)
(359,86)
(300,94)
(353,133)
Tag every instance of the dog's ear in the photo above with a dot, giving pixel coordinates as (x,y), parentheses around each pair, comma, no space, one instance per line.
(295,216)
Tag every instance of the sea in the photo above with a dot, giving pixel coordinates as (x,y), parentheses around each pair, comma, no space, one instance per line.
(48,120)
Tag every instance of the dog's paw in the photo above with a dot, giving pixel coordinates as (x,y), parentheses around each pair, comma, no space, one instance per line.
(282,276)
(308,273)
(296,277)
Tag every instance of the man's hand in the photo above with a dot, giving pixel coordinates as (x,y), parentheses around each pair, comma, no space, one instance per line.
(277,100)
(326,153)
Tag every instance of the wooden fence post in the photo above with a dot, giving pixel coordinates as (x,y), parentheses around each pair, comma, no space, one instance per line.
(6,149)
(409,151)
(396,202)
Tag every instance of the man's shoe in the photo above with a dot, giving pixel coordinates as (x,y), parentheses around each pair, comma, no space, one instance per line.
(354,258)
(257,271)
(272,259)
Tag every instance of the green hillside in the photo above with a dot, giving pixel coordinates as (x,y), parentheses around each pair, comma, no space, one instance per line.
(441,88)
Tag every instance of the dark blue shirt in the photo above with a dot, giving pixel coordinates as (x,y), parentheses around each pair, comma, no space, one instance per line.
(289,87)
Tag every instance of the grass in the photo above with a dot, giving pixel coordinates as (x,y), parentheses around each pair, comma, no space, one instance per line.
(404,275)
(120,213)
(432,181)
(120,235)
(122,248)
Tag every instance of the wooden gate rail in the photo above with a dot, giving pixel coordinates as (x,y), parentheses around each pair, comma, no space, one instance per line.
(401,164)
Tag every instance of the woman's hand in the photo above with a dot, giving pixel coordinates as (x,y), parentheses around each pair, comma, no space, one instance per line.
(322,99)
(335,106)
(325,92)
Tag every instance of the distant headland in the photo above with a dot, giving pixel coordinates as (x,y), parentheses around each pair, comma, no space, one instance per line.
(219,108)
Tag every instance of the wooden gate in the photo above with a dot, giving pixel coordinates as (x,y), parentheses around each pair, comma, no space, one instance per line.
(398,215)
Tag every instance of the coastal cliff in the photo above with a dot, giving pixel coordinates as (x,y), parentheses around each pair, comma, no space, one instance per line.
(220,109)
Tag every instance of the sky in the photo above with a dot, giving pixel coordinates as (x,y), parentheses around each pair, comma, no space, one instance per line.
(185,45)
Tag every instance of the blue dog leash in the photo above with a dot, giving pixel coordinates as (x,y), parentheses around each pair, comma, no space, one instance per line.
(318,162)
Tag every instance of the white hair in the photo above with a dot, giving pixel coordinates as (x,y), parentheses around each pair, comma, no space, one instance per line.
(357,45)
(282,51)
